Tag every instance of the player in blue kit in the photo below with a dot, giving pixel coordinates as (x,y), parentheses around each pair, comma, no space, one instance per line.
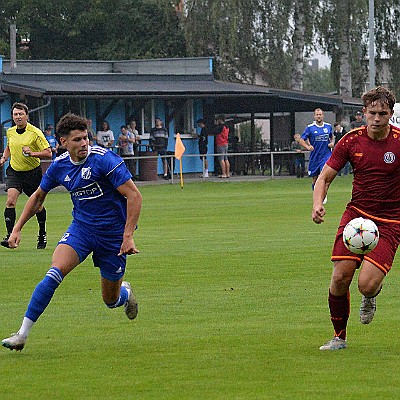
(319,139)
(106,208)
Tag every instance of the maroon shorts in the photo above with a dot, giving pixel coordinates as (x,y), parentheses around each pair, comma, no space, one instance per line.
(383,254)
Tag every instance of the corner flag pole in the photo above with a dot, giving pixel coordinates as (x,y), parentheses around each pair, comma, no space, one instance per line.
(179,150)
(180,172)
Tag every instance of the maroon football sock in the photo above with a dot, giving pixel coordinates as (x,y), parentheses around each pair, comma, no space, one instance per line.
(340,310)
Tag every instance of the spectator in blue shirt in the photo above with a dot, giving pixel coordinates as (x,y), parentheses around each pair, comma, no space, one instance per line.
(49,135)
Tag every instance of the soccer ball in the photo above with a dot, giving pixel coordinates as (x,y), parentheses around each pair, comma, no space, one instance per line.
(360,235)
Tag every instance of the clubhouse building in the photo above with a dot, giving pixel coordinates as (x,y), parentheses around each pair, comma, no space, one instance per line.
(179,91)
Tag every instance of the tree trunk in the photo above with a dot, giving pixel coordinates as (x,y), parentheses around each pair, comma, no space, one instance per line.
(345,69)
(345,86)
(298,43)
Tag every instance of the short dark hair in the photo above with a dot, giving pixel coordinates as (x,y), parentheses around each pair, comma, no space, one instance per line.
(106,122)
(19,106)
(381,95)
(200,121)
(70,122)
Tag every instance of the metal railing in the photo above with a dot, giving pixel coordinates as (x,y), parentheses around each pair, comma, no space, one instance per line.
(274,163)
(265,163)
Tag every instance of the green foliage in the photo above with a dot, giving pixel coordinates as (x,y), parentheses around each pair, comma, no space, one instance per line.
(99,29)
(319,81)
(247,38)
(232,282)
(338,21)
(226,30)
(245,134)
(395,81)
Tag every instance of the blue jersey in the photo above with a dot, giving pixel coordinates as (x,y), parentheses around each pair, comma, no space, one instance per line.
(52,143)
(319,137)
(92,184)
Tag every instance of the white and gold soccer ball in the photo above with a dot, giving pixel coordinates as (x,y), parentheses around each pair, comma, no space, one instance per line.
(361,235)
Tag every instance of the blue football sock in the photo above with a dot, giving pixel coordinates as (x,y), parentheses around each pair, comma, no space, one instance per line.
(123,298)
(43,293)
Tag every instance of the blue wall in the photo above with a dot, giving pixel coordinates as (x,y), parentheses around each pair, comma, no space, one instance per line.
(116,118)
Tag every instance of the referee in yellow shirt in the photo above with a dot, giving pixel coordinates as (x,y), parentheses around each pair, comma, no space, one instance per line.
(26,146)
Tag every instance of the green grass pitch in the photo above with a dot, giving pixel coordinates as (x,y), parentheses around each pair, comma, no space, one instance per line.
(232,283)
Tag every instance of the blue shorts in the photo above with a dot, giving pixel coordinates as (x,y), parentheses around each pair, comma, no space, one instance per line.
(315,167)
(105,249)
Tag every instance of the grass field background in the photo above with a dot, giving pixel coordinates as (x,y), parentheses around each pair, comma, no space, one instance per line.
(232,283)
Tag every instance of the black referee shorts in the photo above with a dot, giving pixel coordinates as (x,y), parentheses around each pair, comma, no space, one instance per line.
(24,181)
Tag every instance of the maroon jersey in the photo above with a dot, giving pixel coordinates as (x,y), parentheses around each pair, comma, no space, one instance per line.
(376,168)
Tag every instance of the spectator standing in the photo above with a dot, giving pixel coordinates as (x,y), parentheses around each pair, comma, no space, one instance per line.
(221,132)
(51,139)
(132,128)
(374,154)
(126,141)
(90,132)
(299,161)
(106,211)
(60,149)
(359,122)
(203,146)
(26,146)
(318,138)
(159,143)
(339,133)
(105,137)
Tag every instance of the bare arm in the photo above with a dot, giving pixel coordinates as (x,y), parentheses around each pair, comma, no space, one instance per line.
(5,156)
(331,144)
(134,204)
(306,145)
(43,155)
(32,206)
(321,187)
(131,138)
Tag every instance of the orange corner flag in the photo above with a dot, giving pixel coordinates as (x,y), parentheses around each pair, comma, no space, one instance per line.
(179,147)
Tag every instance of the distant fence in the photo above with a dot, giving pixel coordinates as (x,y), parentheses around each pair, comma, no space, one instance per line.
(267,163)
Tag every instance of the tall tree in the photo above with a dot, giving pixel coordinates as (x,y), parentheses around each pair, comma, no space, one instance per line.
(98,29)
(387,39)
(302,39)
(343,33)
(298,44)
(224,29)
(275,36)
(345,87)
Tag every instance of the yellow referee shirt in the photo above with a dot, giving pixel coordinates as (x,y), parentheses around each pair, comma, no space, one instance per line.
(32,137)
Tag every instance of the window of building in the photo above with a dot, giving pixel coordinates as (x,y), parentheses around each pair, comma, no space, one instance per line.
(184,118)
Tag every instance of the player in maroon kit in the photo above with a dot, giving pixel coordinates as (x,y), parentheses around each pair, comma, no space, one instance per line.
(374,154)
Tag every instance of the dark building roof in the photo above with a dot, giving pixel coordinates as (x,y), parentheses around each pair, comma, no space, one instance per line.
(143,79)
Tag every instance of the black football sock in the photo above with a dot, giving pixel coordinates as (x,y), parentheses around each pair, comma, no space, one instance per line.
(41,218)
(9,218)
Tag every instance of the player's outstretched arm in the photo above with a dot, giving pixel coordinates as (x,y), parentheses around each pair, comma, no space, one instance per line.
(321,187)
(32,206)
(134,205)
